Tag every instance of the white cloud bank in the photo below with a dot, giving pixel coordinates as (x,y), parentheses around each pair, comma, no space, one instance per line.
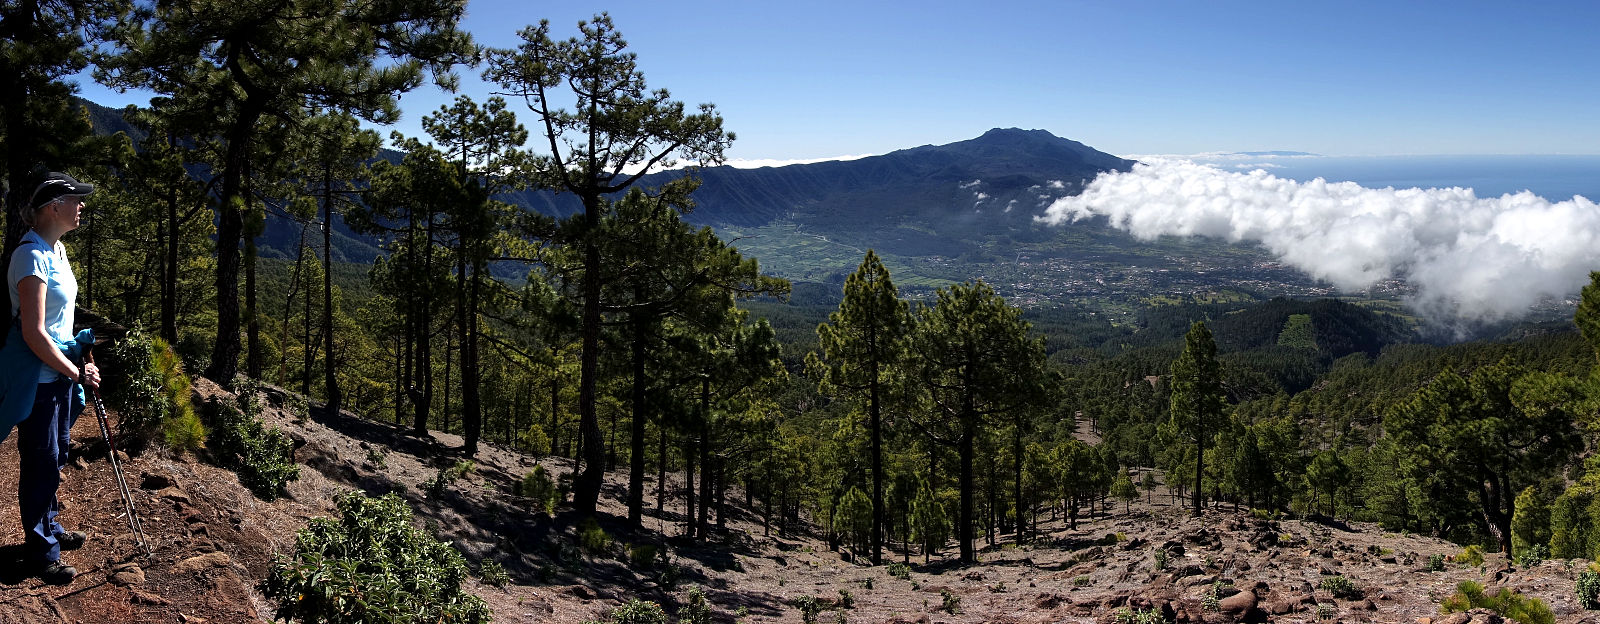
(1470,258)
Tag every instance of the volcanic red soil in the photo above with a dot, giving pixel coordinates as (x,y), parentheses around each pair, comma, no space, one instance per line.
(213,541)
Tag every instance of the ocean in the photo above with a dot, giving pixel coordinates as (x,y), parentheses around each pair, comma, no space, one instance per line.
(1556,178)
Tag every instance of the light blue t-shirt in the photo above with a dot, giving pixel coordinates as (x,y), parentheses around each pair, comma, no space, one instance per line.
(34,257)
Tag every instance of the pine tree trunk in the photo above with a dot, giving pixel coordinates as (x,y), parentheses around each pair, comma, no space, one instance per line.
(691,454)
(661,471)
(964,531)
(169,270)
(1199,471)
(636,446)
(877,467)
(330,378)
(466,309)
(586,492)
(252,327)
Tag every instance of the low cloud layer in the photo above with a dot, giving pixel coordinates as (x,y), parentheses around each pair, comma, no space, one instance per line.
(1469,258)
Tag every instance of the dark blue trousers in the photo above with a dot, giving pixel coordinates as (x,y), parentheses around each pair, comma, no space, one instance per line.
(41,440)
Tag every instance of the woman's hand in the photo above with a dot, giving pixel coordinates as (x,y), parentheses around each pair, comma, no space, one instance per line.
(90,376)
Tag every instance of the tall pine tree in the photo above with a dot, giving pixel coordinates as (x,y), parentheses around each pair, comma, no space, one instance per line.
(862,343)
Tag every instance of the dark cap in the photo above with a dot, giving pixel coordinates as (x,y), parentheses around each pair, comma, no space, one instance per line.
(57,184)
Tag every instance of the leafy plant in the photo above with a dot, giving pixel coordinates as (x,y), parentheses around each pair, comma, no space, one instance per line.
(442,481)
(1340,587)
(1533,555)
(239,441)
(847,600)
(491,572)
(696,610)
(900,571)
(1589,589)
(952,602)
(638,611)
(809,607)
(369,564)
(1082,581)
(668,577)
(378,457)
(1161,559)
(1436,562)
(1125,615)
(1505,601)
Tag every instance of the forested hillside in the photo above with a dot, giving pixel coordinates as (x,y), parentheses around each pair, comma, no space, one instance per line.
(608,334)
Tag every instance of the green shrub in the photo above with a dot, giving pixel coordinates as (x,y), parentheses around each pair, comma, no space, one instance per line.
(668,577)
(1530,525)
(593,539)
(639,612)
(900,571)
(1436,562)
(536,441)
(1340,587)
(847,600)
(1572,523)
(1139,616)
(378,457)
(263,458)
(1589,589)
(1082,581)
(642,556)
(447,476)
(1505,601)
(1470,556)
(493,573)
(1533,555)
(1212,600)
(144,381)
(696,610)
(952,602)
(371,565)
(1161,559)
(809,607)
(538,486)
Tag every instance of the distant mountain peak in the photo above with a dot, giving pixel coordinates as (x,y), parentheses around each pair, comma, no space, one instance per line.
(1018,132)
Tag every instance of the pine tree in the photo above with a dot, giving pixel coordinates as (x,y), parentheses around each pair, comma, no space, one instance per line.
(978,363)
(616,131)
(242,70)
(41,43)
(862,343)
(1197,398)
(1489,436)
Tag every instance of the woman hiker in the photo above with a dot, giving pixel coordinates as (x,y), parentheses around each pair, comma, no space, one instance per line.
(38,374)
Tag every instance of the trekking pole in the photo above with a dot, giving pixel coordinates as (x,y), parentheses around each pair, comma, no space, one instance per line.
(116,467)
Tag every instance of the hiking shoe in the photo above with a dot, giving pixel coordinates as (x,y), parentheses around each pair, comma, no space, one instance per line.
(57,573)
(72,540)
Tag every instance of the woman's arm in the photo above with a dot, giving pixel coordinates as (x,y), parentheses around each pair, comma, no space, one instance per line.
(31,292)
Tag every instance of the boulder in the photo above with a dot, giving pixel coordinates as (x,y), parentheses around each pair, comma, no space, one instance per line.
(1238,606)
(127,574)
(201,562)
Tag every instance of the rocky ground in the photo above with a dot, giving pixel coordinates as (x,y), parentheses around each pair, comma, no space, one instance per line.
(212,541)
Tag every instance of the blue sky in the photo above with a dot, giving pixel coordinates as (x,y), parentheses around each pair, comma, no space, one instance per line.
(808,80)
